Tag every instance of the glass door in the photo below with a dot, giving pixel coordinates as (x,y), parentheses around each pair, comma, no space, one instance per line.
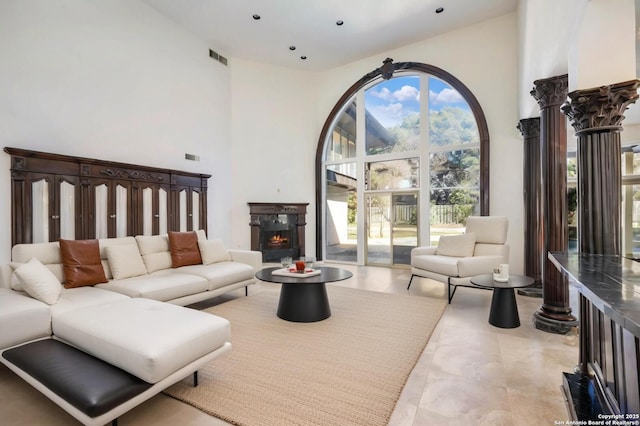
(391,228)
(404,230)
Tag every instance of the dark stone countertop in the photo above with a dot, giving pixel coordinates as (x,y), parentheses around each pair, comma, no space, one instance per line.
(611,283)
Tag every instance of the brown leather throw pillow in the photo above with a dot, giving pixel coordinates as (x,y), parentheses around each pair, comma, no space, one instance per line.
(81,263)
(184,249)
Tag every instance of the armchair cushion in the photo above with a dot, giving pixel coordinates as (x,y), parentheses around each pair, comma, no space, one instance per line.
(457,245)
(445,265)
(418,251)
(476,265)
(488,229)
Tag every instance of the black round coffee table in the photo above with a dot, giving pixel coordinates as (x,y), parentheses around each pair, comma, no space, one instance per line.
(504,310)
(304,299)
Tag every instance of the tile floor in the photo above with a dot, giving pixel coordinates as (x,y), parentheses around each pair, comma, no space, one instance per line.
(470,373)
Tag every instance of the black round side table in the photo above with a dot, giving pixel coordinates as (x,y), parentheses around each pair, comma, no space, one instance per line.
(504,310)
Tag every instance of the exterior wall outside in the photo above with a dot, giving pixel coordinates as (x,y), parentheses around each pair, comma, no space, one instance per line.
(337,213)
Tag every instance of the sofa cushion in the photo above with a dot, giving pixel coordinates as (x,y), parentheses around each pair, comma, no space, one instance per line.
(445,265)
(184,249)
(82,297)
(155,252)
(161,285)
(38,281)
(47,253)
(125,261)
(220,274)
(213,251)
(148,339)
(22,318)
(457,245)
(104,243)
(82,264)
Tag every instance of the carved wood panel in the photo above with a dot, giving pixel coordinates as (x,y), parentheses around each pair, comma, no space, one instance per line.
(144,195)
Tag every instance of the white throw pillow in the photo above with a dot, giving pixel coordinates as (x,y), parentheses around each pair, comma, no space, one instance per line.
(15,281)
(457,245)
(39,282)
(213,251)
(125,261)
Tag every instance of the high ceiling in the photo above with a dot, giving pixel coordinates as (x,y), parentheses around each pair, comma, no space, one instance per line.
(369,26)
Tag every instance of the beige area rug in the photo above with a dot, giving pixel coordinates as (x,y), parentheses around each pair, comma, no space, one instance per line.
(346,370)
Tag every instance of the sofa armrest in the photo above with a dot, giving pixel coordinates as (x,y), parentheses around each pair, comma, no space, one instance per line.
(250,257)
(419,251)
(476,265)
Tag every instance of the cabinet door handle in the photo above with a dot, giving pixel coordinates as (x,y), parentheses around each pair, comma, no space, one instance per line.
(112,216)
(156,215)
(55,217)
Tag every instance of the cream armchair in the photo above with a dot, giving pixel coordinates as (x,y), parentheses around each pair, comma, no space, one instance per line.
(457,258)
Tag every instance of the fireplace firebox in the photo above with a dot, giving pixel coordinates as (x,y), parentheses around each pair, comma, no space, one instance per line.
(277,229)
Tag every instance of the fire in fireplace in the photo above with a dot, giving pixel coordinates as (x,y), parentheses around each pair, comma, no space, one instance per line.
(278,241)
(277,230)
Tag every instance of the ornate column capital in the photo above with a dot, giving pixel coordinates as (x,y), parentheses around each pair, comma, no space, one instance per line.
(551,91)
(529,127)
(600,108)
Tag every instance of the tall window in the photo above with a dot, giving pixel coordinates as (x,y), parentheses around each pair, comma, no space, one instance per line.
(630,210)
(401,161)
(631,201)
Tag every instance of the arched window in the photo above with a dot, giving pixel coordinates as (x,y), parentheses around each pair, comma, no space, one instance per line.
(397,168)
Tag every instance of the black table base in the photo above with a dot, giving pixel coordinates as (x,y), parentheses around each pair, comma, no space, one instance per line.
(304,299)
(304,302)
(504,310)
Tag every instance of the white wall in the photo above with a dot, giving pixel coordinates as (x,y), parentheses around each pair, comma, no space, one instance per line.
(278,114)
(274,140)
(112,79)
(606,27)
(545,31)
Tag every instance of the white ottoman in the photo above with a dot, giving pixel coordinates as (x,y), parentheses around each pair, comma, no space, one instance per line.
(149,339)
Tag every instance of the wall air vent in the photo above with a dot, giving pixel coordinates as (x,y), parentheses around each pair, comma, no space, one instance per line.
(218,57)
(192,157)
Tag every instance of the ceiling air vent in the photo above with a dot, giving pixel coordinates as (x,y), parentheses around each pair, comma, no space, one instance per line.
(218,57)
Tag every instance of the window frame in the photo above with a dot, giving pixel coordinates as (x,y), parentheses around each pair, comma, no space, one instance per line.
(368,79)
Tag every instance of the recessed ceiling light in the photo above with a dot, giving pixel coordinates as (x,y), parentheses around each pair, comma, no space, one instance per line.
(339,22)
(292,48)
(256,16)
(440,10)
(303,57)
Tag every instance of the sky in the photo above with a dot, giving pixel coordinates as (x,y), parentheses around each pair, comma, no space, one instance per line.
(392,100)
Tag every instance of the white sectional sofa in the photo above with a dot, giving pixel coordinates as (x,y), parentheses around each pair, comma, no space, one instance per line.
(130,322)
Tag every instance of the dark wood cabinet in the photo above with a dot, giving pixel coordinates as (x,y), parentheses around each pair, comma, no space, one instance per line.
(57,196)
